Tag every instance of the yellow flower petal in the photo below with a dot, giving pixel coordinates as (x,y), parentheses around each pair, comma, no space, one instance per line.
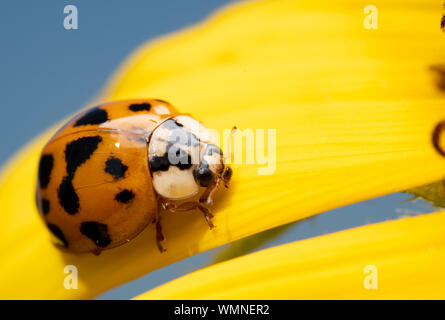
(353,110)
(401,259)
(272,52)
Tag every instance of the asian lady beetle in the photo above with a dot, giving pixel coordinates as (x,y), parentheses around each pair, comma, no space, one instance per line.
(104,176)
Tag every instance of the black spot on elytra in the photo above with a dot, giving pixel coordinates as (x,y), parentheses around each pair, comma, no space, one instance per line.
(179,158)
(439,130)
(68,198)
(44,206)
(79,151)
(442,23)
(58,233)
(93,116)
(145,106)
(115,167)
(45,167)
(98,232)
(124,196)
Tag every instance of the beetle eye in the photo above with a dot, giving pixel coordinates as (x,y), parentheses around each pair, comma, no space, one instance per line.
(203,175)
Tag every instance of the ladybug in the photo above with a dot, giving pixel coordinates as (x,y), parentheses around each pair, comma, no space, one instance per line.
(105,175)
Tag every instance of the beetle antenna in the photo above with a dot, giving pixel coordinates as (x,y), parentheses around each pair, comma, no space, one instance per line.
(227,153)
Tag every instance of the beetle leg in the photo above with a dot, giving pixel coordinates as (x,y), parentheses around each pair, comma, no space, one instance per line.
(207,215)
(159,235)
(188,206)
(96,252)
(206,196)
(226,176)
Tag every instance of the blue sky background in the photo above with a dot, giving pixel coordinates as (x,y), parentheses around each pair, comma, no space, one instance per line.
(49,72)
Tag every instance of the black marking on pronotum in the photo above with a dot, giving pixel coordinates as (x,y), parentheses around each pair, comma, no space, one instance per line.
(45,167)
(68,198)
(179,158)
(159,163)
(115,167)
(98,232)
(79,151)
(124,196)
(55,230)
(145,106)
(211,149)
(93,116)
(438,132)
(44,206)
(172,124)
(180,135)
